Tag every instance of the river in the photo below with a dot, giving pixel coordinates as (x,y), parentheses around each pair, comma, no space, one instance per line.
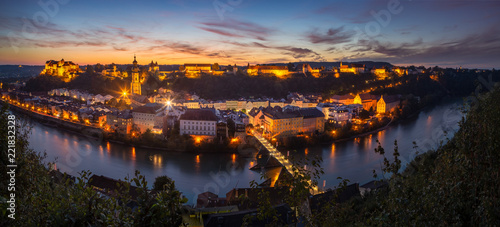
(220,172)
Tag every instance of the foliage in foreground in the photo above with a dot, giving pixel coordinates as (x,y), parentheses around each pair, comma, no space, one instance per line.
(458,184)
(43,200)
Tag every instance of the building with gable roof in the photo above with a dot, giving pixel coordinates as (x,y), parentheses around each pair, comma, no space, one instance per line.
(199,122)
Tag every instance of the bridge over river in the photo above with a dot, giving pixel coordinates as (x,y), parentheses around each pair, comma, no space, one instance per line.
(281,158)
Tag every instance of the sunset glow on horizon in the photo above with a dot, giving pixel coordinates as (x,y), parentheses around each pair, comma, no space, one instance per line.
(444,33)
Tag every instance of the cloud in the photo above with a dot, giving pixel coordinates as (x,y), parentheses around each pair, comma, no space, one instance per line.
(221,32)
(173,47)
(50,35)
(120,48)
(389,49)
(295,52)
(332,36)
(482,48)
(234,28)
(354,12)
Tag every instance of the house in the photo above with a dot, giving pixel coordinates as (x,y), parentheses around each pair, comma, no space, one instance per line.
(248,198)
(387,104)
(313,120)
(145,116)
(282,124)
(339,115)
(254,116)
(121,122)
(220,105)
(198,122)
(344,99)
(222,130)
(284,213)
(209,199)
(368,101)
(232,104)
(326,108)
(192,104)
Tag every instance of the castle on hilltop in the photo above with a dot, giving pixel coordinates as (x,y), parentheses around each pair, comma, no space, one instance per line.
(64,69)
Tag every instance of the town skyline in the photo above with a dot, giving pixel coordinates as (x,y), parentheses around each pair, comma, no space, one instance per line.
(443,33)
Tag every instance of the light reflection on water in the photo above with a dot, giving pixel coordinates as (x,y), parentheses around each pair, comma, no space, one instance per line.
(192,173)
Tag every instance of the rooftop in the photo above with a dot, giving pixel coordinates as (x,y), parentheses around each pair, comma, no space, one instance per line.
(199,115)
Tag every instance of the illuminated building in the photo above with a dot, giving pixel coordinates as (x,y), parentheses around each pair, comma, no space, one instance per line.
(64,69)
(344,99)
(381,73)
(367,100)
(153,67)
(120,121)
(112,71)
(355,68)
(387,104)
(136,82)
(198,122)
(291,123)
(306,68)
(145,117)
(195,70)
(279,71)
(400,71)
(198,67)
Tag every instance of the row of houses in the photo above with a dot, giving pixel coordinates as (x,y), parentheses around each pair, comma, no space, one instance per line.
(379,104)
(300,115)
(80,95)
(241,202)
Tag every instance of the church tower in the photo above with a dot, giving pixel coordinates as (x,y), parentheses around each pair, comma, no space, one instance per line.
(136,82)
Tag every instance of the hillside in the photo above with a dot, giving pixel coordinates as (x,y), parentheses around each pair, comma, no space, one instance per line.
(458,184)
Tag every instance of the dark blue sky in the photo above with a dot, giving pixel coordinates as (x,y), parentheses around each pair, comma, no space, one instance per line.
(443,32)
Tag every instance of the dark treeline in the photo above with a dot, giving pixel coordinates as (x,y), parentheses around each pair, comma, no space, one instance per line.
(92,83)
(445,82)
(240,85)
(439,83)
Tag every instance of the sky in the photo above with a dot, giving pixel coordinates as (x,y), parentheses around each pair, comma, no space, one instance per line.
(447,33)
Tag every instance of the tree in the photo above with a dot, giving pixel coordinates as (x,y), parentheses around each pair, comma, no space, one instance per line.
(299,185)
(162,182)
(45,197)
(364,114)
(89,70)
(112,102)
(182,68)
(216,66)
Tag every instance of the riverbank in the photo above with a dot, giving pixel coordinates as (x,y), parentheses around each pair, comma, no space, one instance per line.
(55,122)
(362,134)
(99,134)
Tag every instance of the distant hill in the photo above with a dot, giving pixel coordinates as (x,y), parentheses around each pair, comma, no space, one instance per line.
(17,71)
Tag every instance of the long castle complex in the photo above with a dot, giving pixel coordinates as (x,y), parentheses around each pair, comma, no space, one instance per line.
(64,69)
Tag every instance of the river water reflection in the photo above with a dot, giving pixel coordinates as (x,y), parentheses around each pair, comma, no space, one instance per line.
(195,173)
